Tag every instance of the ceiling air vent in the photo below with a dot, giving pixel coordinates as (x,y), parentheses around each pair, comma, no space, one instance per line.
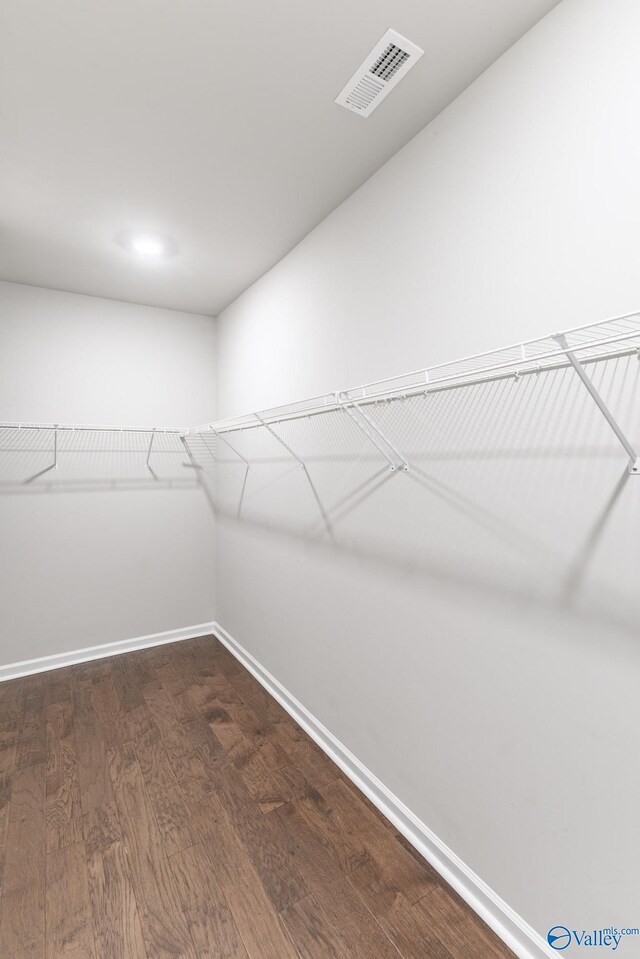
(391,58)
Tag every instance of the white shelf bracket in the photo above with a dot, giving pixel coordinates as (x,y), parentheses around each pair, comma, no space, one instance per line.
(634,462)
(198,471)
(246,467)
(147,465)
(303,467)
(54,465)
(227,443)
(280,441)
(373,433)
(153,436)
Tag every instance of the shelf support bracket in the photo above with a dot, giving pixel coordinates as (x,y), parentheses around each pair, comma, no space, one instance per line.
(304,469)
(198,471)
(53,466)
(153,436)
(279,440)
(373,432)
(634,462)
(246,462)
(227,443)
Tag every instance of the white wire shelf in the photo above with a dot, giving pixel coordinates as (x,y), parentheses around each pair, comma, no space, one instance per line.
(577,348)
(67,454)
(89,428)
(619,336)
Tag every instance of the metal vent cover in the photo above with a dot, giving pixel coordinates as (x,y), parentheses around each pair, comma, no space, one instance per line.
(389,61)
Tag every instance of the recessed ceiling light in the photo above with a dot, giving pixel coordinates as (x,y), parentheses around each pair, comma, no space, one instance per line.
(149,245)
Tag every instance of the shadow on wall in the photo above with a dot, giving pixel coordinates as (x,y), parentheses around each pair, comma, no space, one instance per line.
(517,486)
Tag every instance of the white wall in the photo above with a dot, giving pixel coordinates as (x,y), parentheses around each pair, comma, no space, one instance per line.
(85,566)
(493,688)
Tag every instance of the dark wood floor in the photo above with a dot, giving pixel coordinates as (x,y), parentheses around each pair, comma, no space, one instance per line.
(160,805)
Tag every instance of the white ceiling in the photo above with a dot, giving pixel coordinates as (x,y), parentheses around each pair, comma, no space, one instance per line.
(210,121)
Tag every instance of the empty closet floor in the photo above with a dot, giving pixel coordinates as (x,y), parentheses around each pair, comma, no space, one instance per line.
(160,805)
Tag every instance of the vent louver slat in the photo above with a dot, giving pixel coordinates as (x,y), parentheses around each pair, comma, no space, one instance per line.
(390,61)
(391,58)
(362,94)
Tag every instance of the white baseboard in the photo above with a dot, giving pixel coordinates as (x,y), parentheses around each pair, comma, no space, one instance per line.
(29,666)
(505,922)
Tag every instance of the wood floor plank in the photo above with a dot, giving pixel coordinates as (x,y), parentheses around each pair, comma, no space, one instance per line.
(11,698)
(155,657)
(309,850)
(136,666)
(413,879)
(95,785)
(69,930)
(116,922)
(8,736)
(237,748)
(205,743)
(262,839)
(187,765)
(101,829)
(163,923)
(165,792)
(22,908)
(204,904)
(199,656)
(413,938)
(276,787)
(31,742)
(315,765)
(129,679)
(186,709)
(256,696)
(269,755)
(225,693)
(460,930)
(335,831)
(313,935)
(203,698)
(56,687)
(8,732)
(111,714)
(253,724)
(226,663)
(248,722)
(259,924)
(245,737)
(360,934)
(63,809)
(172,675)
(5,793)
